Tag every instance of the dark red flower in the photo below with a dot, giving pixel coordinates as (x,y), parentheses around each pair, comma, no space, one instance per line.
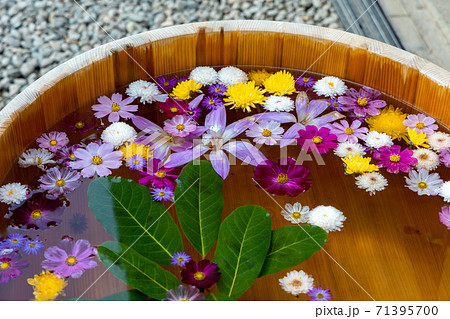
(202,275)
(174,107)
(79,122)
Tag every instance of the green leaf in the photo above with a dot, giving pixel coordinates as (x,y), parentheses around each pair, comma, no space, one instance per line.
(127,211)
(244,239)
(217,296)
(127,295)
(136,270)
(199,204)
(292,245)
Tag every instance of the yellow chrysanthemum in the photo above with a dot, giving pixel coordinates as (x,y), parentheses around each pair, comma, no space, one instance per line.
(47,286)
(389,121)
(184,89)
(131,149)
(280,83)
(357,164)
(417,139)
(258,76)
(244,96)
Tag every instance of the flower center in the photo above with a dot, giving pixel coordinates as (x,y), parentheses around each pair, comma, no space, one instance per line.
(217,89)
(348,131)
(79,124)
(97,160)
(174,109)
(199,276)
(115,107)
(162,194)
(53,142)
(136,161)
(71,261)
(14,241)
(180,259)
(11,192)
(306,80)
(317,139)
(5,265)
(335,104)
(296,215)
(180,127)
(266,133)
(282,179)
(296,283)
(60,182)
(166,83)
(211,102)
(422,185)
(420,125)
(161,174)
(71,156)
(423,156)
(36,214)
(38,160)
(31,245)
(394,158)
(331,84)
(319,295)
(362,101)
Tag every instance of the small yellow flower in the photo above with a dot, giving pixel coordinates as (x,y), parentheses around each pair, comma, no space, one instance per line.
(244,96)
(47,286)
(184,89)
(258,76)
(131,149)
(389,121)
(357,164)
(280,83)
(417,139)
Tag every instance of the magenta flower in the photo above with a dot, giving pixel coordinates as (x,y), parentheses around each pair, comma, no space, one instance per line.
(66,154)
(349,133)
(115,107)
(319,294)
(305,81)
(363,102)
(316,140)
(444,156)
(283,179)
(79,123)
(71,259)
(97,159)
(444,216)
(38,212)
(421,123)
(173,107)
(180,125)
(10,266)
(166,84)
(53,141)
(159,175)
(184,293)
(202,275)
(57,182)
(394,159)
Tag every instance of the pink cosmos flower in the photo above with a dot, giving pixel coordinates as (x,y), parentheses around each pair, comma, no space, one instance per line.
(66,154)
(316,140)
(58,182)
(363,102)
(159,175)
(349,133)
(394,159)
(444,216)
(53,141)
(179,125)
(444,156)
(421,123)
(115,107)
(10,266)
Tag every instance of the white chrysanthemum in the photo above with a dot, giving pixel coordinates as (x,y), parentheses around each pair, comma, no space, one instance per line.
(264,132)
(279,104)
(330,86)
(119,133)
(423,182)
(326,217)
(372,182)
(295,213)
(36,157)
(346,148)
(297,282)
(426,159)
(204,75)
(439,140)
(231,75)
(13,193)
(444,191)
(376,140)
(147,92)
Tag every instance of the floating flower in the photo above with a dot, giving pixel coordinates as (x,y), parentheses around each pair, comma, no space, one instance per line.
(421,123)
(319,140)
(363,102)
(348,133)
(115,107)
(162,194)
(166,84)
(356,164)
(283,179)
(10,266)
(279,104)
(280,83)
(204,75)
(36,157)
(335,105)
(53,141)
(136,162)
(305,81)
(57,182)
(97,159)
(296,213)
(265,132)
(118,133)
(426,159)
(71,259)
(15,241)
(423,183)
(347,148)
(329,86)
(394,159)
(78,223)
(444,157)
(33,246)
(66,154)
(47,286)
(439,140)
(258,76)
(417,139)
(375,140)
(389,121)
(180,258)
(244,96)
(231,75)
(172,107)
(445,191)
(13,193)
(135,149)
(326,217)
(319,294)
(147,92)
(211,103)
(217,89)
(184,90)
(372,182)
(184,293)
(296,282)
(444,216)
(202,275)
(180,125)
(79,122)
(159,175)
(38,212)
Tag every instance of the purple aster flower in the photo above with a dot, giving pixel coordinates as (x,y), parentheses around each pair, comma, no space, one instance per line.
(348,133)
(38,212)
(78,223)
(180,125)
(79,123)
(217,89)
(166,84)
(71,258)
(201,275)
(15,241)
(394,159)
(181,78)
(53,141)
(180,258)
(363,102)
(173,107)
(10,266)
(136,162)
(319,294)
(421,123)
(33,246)
(283,179)
(335,105)
(211,102)
(194,112)
(314,139)
(159,175)
(444,216)
(184,293)
(115,107)
(305,81)
(66,154)
(162,194)
(444,156)
(57,182)
(97,159)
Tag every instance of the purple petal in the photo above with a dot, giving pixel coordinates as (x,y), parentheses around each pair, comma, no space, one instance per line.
(245,151)
(220,163)
(181,158)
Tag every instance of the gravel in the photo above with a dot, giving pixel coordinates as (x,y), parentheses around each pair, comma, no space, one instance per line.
(37,35)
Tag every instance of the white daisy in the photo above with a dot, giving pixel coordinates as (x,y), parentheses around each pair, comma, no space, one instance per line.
(423,182)
(295,213)
(346,148)
(444,191)
(297,282)
(265,132)
(204,75)
(119,133)
(279,104)
(13,193)
(330,86)
(147,92)
(372,182)
(36,157)
(439,140)
(376,140)
(426,159)
(326,217)
(231,75)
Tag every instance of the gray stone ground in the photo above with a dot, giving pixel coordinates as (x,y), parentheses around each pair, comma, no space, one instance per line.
(37,35)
